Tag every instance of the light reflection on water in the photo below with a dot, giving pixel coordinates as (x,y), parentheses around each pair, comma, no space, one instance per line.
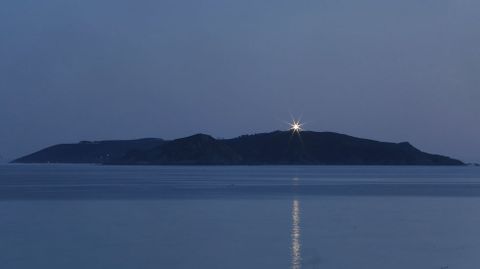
(295,234)
(296,247)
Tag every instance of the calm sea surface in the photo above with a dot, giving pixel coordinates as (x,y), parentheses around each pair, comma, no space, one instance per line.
(86,216)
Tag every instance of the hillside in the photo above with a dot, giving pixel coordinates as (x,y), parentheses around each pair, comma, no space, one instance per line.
(275,148)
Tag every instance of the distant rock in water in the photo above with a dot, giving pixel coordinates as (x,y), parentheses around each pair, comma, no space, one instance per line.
(276,148)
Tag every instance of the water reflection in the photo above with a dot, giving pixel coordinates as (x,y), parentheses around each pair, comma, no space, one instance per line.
(296,247)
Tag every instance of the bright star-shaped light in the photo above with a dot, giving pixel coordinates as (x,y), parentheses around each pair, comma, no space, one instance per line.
(296,126)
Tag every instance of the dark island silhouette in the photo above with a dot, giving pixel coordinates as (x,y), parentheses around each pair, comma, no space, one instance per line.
(275,148)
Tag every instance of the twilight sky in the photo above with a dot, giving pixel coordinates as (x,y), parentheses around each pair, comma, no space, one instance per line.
(391,70)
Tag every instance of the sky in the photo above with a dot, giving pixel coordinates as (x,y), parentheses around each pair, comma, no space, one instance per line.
(388,70)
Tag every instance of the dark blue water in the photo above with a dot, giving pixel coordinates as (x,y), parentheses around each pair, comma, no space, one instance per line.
(157,182)
(85,216)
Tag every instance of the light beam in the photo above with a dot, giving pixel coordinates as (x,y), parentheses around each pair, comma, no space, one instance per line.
(296,126)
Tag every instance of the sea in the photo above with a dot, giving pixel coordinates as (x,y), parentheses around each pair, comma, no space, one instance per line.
(340,217)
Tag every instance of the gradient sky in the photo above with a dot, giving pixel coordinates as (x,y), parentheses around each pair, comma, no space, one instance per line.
(403,70)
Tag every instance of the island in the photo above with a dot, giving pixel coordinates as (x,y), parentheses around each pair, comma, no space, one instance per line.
(274,148)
